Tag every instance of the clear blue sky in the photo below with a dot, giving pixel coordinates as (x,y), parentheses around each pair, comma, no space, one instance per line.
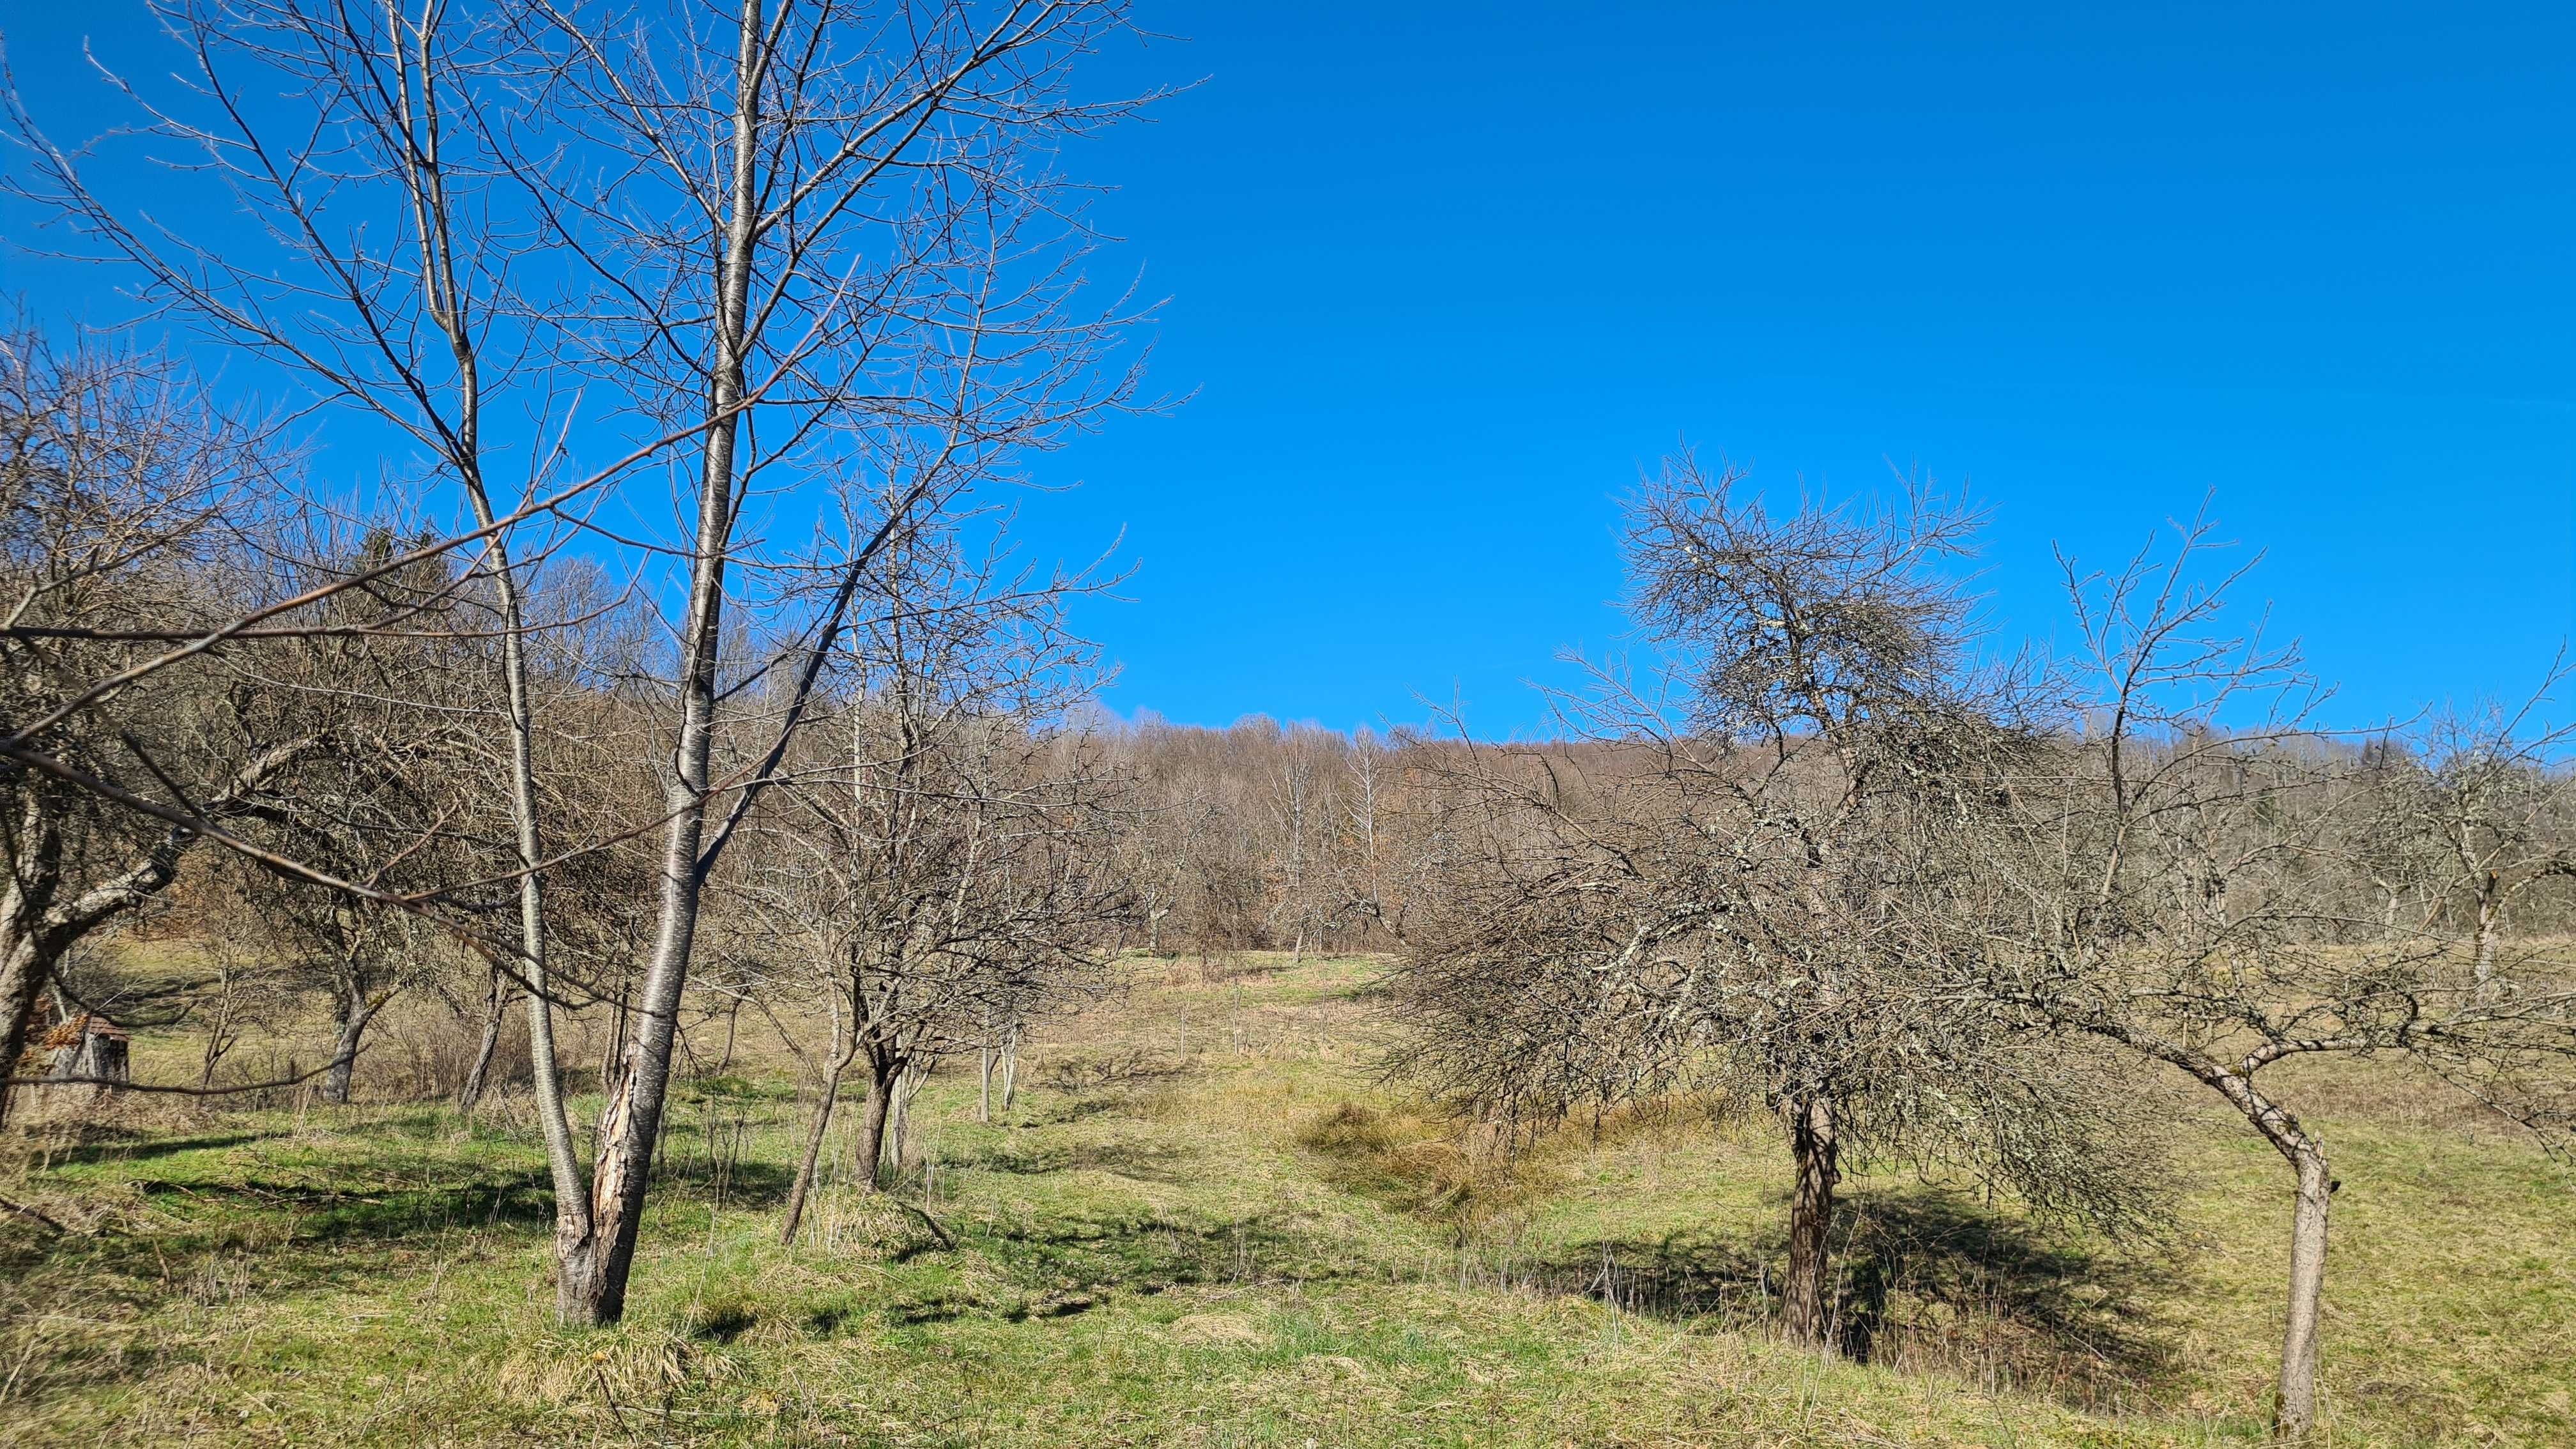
(1442,279)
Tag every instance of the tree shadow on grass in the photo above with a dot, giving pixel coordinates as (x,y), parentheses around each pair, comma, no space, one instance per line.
(1061,1265)
(748,1183)
(333,1214)
(302,1236)
(1063,1109)
(210,1243)
(93,1143)
(1161,1162)
(1930,1279)
(1924,1280)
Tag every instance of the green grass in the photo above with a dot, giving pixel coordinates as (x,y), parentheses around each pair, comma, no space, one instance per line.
(1243,1239)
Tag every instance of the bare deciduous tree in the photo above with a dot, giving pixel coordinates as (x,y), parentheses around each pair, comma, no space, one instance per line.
(123,492)
(2190,895)
(1761,875)
(2486,799)
(954,870)
(816,241)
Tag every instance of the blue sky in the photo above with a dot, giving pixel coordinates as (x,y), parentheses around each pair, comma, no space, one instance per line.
(1443,279)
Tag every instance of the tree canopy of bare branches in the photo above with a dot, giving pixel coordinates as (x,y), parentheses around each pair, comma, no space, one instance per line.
(1761,877)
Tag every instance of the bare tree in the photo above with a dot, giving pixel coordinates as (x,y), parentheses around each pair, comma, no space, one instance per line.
(955,870)
(122,493)
(1299,806)
(2191,896)
(2487,792)
(1373,860)
(825,241)
(1261,836)
(1759,875)
(843,223)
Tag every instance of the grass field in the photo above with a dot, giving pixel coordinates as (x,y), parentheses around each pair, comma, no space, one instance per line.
(1206,1223)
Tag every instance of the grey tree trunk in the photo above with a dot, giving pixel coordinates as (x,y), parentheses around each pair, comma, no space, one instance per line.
(898,1133)
(35,874)
(870,1150)
(22,980)
(1805,1293)
(2296,1411)
(2490,920)
(2298,1407)
(563,1161)
(357,1009)
(814,1135)
(592,1282)
(573,1215)
(479,1075)
(733,1027)
(450,307)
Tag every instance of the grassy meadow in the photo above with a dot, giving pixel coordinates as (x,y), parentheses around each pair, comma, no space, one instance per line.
(1206,1222)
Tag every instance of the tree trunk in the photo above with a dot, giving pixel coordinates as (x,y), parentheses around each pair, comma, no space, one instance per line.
(218,1032)
(1010,1064)
(907,1085)
(593,1288)
(2298,1407)
(612,1062)
(984,1071)
(2490,914)
(26,967)
(573,1218)
(22,980)
(1805,1301)
(356,1010)
(2296,1412)
(870,1151)
(805,1169)
(733,1025)
(478,1076)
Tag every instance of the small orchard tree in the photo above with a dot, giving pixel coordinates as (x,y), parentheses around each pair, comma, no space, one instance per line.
(2489,806)
(955,865)
(2191,893)
(127,505)
(1759,875)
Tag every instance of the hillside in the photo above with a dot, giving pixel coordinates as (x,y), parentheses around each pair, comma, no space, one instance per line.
(1205,1222)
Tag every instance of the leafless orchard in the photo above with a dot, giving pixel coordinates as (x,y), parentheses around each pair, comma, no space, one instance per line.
(674,678)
